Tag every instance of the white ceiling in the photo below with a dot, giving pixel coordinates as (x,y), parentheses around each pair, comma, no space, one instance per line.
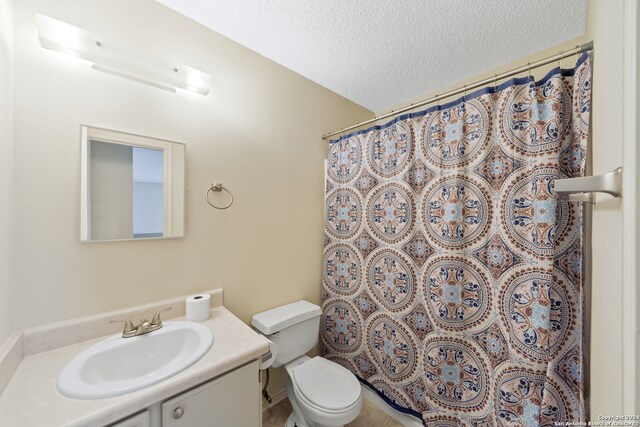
(380,53)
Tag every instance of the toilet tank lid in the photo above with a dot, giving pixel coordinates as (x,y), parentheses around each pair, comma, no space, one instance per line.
(274,320)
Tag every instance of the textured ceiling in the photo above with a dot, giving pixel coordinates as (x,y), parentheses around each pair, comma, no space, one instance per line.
(380,53)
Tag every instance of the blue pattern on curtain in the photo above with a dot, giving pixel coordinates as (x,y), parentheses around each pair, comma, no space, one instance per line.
(452,276)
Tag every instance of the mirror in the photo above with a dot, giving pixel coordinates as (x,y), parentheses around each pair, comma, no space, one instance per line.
(132,187)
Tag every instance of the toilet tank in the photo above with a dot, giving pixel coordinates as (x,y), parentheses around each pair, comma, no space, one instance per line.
(293,328)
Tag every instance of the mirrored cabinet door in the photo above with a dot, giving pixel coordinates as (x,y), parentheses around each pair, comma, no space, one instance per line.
(132,187)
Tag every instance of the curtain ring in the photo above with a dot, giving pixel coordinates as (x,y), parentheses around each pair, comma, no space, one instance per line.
(464,97)
(495,82)
(529,69)
(218,188)
(437,103)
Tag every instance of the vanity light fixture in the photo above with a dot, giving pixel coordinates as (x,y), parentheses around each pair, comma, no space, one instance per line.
(119,60)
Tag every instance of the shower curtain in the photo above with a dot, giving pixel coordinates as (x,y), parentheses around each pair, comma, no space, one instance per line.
(452,275)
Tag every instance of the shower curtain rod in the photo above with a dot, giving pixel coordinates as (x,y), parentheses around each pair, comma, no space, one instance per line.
(575,51)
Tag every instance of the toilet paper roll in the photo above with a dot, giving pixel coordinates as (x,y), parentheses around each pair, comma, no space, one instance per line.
(198,308)
(268,360)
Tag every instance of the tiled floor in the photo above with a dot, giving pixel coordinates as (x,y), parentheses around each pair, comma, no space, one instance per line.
(369,417)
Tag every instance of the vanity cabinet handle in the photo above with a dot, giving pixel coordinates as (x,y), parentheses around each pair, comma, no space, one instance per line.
(178,413)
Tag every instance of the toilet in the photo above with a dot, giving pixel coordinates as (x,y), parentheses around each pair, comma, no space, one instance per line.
(322,393)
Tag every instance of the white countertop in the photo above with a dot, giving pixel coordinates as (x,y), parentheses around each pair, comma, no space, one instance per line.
(31,398)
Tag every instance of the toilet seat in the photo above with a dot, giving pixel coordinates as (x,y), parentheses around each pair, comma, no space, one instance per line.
(310,405)
(326,386)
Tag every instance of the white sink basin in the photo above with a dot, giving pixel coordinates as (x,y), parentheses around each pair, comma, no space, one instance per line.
(119,365)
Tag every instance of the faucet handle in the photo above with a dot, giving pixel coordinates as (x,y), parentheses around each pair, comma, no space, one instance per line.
(157,321)
(128,326)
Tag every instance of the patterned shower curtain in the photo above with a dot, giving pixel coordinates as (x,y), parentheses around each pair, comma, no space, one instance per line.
(452,271)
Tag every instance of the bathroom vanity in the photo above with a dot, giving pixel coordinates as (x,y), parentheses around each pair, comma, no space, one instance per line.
(222,388)
(229,400)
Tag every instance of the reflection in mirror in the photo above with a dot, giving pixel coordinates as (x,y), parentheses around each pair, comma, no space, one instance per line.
(132,187)
(148,196)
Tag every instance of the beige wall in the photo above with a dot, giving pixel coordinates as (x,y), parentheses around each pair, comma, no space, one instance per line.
(6,159)
(605,27)
(258,132)
(632,205)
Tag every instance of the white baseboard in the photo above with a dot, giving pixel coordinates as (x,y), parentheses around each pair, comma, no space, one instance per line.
(276,398)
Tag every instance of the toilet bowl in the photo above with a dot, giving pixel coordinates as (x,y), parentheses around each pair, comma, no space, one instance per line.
(322,393)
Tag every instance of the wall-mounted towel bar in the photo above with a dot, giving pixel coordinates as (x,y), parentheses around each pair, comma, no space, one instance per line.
(610,183)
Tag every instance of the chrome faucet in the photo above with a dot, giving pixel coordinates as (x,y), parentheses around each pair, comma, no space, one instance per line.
(144,327)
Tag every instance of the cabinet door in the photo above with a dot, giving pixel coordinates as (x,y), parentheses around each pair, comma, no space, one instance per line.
(140,420)
(233,400)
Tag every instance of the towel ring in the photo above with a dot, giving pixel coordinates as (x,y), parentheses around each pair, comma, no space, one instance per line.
(218,188)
